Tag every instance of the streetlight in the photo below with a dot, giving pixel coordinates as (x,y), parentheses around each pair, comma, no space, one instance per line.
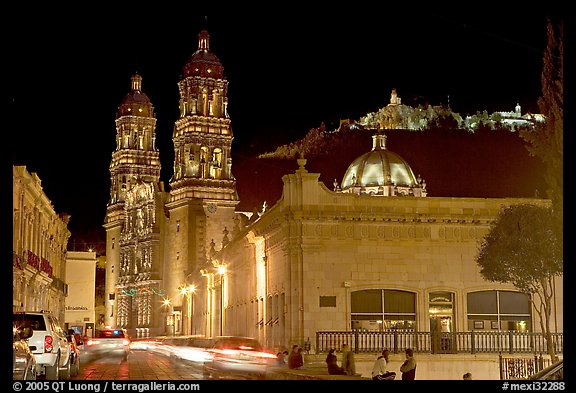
(166,306)
(188,291)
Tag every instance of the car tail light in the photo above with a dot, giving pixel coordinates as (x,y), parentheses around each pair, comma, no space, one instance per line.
(48,344)
(265,355)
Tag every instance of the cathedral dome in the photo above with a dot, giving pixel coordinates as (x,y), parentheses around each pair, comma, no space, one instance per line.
(203,62)
(136,103)
(382,172)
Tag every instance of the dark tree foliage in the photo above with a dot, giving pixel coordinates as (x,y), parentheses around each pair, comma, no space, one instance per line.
(546,140)
(521,249)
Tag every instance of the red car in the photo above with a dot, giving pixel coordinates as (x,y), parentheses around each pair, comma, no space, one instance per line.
(108,342)
(74,355)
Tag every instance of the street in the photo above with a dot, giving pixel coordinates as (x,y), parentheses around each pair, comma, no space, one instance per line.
(141,365)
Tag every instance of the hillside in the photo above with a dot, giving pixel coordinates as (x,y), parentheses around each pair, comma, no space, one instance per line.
(454,163)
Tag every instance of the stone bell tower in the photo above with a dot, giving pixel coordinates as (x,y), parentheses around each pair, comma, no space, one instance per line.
(203,193)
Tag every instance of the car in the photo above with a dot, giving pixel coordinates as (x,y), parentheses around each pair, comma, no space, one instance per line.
(48,342)
(23,360)
(108,341)
(191,349)
(236,357)
(77,337)
(75,355)
(554,372)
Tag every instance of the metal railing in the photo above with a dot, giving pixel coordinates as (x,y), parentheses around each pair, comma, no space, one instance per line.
(396,341)
(521,368)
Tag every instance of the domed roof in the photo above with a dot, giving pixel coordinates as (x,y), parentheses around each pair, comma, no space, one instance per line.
(381,168)
(203,62)
(136,103)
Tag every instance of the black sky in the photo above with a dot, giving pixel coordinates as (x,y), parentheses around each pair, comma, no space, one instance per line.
(288,71)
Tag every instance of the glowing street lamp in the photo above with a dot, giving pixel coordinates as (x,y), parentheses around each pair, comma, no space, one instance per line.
(188,291)
(166,307)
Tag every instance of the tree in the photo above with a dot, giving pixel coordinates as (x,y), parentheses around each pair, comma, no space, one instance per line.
(521,249)
(546,140)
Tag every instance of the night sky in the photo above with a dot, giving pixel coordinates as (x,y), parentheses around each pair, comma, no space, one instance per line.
(287,73)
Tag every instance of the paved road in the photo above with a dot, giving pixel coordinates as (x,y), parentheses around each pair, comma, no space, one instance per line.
(141,365)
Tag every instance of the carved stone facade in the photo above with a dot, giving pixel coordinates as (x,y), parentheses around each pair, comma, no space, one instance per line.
(40,238)
(157,241)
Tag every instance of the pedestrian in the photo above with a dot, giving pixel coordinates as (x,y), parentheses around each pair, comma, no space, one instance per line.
(295,359)
(332,363)
(285,353)
(379,371)
(467,376)
(408,368)
(280,359)
(300,357)
(348,362)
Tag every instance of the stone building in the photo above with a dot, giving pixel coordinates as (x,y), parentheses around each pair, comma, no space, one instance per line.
(81,279)
(323,260)
(157,239)
(373,253)
(39,242)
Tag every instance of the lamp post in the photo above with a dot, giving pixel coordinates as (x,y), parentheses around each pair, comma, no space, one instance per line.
(166,306)
(188,291)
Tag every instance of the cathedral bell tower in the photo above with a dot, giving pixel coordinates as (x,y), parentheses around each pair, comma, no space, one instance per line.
(203,193)
(135,160)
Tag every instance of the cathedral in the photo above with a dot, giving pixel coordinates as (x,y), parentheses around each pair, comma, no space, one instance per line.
(373,252)
(157,241)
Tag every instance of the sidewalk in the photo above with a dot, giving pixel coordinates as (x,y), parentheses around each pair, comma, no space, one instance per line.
(312,370)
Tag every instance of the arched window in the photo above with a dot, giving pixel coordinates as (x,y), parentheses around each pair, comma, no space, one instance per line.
(381,309)
(216,163)
(499,310)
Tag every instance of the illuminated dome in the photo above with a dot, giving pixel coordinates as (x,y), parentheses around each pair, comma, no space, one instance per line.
(136,103)
(203,62)
(382,172)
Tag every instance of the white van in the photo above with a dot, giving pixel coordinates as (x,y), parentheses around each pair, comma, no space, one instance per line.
(52,350)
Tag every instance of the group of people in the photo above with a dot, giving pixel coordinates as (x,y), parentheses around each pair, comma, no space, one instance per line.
(348,363)
(294,359)
(408,368)
(380,369)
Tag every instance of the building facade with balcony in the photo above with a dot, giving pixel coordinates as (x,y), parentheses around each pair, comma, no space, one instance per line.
(40,240)
(361,258)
